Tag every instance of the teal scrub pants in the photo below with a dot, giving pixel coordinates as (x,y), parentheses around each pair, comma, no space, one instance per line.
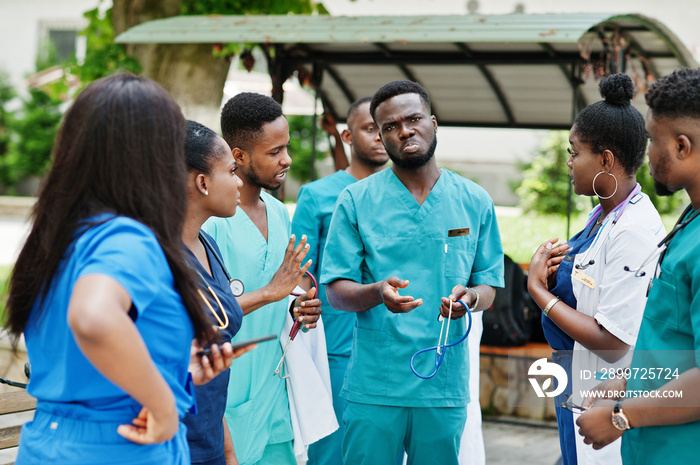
(327,451)
(375,434)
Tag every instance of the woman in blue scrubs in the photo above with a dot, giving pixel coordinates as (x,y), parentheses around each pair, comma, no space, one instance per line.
(102,291)
(212,187)
(592,307)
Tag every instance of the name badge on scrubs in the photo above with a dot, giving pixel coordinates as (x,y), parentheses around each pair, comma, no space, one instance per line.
(458,232)
(583,278)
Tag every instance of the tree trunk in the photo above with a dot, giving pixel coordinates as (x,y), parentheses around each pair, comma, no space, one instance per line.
(190,72)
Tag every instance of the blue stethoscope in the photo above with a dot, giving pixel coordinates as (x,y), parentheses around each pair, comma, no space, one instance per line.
(440,349)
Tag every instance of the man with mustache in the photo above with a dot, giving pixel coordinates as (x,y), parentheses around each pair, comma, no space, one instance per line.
(426,231)
(655,406)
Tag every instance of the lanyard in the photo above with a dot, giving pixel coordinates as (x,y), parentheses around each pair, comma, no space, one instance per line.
(617,211)
(616,214)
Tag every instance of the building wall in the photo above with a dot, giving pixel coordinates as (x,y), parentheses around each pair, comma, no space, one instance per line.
(24,23)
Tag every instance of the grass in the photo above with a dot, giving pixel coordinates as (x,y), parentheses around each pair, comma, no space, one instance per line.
(522,234)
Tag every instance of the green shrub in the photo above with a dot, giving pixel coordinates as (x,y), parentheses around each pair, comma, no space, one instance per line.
(33,130)
(300,131)
(7,93)
(546,181)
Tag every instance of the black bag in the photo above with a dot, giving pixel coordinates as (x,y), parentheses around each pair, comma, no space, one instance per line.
(513,316)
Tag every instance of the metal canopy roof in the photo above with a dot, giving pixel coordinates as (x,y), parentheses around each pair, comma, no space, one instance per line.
(519,71)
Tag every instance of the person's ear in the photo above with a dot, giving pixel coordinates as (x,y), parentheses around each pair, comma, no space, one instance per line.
(240,155)
(201,183)
(434,120)
(608,159)
(346,136)
(684,146)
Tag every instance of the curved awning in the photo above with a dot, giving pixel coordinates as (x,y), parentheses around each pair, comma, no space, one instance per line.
(517,71)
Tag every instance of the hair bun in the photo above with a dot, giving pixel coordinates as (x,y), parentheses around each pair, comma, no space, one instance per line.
(617,89)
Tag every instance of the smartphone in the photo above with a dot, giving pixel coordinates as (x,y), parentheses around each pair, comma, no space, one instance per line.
(238,345)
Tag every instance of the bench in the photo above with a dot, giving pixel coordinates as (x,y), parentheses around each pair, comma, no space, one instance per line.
(498,380)
(16,408)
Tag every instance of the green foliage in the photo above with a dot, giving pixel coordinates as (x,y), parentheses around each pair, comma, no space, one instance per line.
(35,129)
(300,128)
(7,93)
(545,187)
(546,182)
(102,56)
(664,205)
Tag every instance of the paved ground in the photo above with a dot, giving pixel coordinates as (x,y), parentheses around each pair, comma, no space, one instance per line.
(13,232)
(522,444)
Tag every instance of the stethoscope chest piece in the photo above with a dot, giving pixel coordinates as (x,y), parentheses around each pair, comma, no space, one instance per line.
(237,287)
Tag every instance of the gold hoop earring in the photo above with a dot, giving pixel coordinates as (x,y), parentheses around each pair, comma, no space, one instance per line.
(596,192)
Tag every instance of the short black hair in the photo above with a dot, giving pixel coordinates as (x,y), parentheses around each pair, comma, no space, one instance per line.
(244,116)
(395,88)
(676,95)
(200,147)
(614,124)
(357,104)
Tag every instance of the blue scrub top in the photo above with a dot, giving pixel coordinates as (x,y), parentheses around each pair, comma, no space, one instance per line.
(556,337)
(205,430)
(63,379)
(378,230)
(257,408)
(312,217)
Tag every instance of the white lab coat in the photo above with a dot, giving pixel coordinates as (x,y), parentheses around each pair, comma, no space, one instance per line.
(308,386)
(616,300)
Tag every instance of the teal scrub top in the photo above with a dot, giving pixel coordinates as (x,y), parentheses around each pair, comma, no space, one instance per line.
(378,230)
(312,217)
(63,380)
(257,409)
(669,334)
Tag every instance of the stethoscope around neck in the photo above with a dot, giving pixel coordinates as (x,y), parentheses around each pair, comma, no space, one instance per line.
(236,285)
(616,214)
(661,247)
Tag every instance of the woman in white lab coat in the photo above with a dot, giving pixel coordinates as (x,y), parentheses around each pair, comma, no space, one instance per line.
(590,302)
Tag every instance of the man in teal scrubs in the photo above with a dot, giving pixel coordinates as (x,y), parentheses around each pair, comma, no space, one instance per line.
(426,232)
(259,253)
(311,218)
(665,427)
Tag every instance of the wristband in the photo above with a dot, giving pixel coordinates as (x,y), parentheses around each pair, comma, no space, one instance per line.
(476,301)
(550,305)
